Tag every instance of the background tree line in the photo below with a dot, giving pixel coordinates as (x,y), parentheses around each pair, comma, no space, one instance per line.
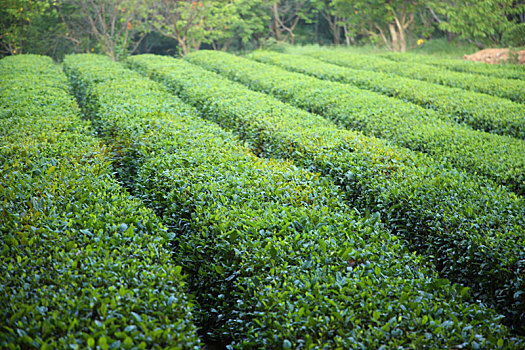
(122,27)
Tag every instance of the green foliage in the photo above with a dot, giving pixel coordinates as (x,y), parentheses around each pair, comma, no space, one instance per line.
(444,47)
(386,21)
(505,71)
(499,158)
(118,27)
(270,247)
(515,35)
(249,24)
(274,253)
(482,21)
(480,111)
(82,263)
(193,23)
(471,229)
(505,88)
(21,25)
(114,27)
(286,15)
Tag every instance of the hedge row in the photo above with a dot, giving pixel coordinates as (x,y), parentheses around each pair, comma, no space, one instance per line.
(275,259)
(83,265)
(499,158)
(480,111)
(506,88)
(505,71)
(442,212)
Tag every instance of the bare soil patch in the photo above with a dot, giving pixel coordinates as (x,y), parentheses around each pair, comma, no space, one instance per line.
(495,56)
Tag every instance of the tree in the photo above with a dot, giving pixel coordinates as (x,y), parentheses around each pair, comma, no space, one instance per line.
(248,23)
(17,23)
(116,26)
(385,20)
(332,17)
(480,22)
(192,23)
(286,14)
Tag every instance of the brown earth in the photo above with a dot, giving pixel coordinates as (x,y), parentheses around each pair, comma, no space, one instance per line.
(494,56)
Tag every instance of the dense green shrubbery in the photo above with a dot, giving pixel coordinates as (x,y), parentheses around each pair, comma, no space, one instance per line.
(505,71)
(480,111)
(497,157)
(514,37)
(275,257)
(83,265)
(506,88)
(473,231)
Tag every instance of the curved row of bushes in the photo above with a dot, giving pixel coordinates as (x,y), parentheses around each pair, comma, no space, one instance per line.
(480,111)
(506,88)
(275,259)
(82,263)
(496,157)
(472,231)
(505,71)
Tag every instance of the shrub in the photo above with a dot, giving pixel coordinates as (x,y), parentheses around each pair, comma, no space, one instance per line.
(83,264)
(505,88)
(479,111)
(273,251)
(460,216)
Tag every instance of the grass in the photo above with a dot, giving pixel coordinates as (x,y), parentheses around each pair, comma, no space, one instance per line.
(436,47)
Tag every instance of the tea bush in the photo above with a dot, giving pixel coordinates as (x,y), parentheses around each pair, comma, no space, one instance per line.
(275,257)
(479,111)
(505,71)
(497,157)
(83,264)
(472,230)
(506,88)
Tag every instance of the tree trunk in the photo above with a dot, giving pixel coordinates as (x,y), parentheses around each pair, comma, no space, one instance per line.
(393,37)
(276,20)
(402,25)
(388,43)
(241,44)
(292,28)
(317,28)
(450,37)
(348,38)
(337,35)
(477,43)
(402,41)
(335,29)
(227,44)
(197,46)
(183,46)
(21,47)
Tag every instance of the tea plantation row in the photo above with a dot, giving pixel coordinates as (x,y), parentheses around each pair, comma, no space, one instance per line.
(506,88)
(479,111)
(506,71)
(497,157)
(273,255)
(472,230)
(82,263)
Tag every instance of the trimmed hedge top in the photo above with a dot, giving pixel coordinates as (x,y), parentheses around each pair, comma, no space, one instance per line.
(480,111)
(506,71)
(496,157)
(506,88)
(272,251)
(82,263)
(441,211)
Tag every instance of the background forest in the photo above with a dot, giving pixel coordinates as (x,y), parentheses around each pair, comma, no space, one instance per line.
(122,27)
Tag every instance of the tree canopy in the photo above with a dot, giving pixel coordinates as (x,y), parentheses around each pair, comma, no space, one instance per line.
(123,27)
